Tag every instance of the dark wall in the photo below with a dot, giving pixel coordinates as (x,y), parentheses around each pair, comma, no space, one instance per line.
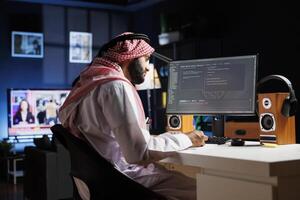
(211,29)
(231,28)
(53,70)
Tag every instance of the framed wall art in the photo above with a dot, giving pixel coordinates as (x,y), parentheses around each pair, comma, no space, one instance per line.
(80,47)
(27,44)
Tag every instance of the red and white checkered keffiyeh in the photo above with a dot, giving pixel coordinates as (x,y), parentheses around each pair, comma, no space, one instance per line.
(128,49)
(102,70)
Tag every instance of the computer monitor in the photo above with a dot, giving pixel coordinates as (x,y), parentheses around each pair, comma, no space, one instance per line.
(31,112)
(213,86)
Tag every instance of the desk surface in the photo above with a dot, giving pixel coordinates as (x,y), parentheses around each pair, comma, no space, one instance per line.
(282,160)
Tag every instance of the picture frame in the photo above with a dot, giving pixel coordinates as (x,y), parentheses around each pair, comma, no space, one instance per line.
(80,48)
(27,44)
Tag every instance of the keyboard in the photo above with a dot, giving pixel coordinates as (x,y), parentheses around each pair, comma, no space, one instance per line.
(217,140)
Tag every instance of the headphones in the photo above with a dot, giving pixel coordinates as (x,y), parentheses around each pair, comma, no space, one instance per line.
(289,106)
(120,38)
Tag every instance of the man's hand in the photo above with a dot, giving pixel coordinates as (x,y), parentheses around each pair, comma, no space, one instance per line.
(197,137)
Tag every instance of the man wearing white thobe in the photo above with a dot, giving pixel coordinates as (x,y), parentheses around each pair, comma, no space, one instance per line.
(105,108)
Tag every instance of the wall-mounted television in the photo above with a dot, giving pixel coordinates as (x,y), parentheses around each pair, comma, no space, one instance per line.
(31,112)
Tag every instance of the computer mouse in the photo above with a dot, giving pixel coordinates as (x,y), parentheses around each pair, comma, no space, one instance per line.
(237,142)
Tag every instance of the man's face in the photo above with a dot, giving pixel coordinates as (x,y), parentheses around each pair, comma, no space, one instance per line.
(138,68)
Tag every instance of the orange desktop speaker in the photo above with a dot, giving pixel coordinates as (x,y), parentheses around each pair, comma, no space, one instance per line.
(275,126)
(180,123)
(243,130)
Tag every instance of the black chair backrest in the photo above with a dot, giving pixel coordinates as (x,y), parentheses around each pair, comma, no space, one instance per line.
(102,178)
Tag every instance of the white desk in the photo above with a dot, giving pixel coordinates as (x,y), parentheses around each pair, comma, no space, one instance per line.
(244,173)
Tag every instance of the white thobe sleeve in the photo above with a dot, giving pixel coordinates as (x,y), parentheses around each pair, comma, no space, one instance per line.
(119,108)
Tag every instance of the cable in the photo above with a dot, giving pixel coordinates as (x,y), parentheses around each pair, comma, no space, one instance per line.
(161,57)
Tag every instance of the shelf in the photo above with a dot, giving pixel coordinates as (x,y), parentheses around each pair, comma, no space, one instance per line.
(18,173)
(14,172)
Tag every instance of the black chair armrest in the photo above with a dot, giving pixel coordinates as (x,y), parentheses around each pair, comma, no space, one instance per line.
(40,174)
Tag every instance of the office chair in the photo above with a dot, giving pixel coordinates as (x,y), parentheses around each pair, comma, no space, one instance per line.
(101,177)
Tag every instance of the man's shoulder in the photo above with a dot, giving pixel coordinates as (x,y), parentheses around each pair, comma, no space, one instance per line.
(114,84)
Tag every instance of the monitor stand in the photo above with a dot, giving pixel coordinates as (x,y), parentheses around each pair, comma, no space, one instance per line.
(218,125)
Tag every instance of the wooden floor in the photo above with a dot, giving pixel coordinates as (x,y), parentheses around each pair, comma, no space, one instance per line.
(9,191)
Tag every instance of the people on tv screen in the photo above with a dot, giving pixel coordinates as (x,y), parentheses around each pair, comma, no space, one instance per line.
(23,114)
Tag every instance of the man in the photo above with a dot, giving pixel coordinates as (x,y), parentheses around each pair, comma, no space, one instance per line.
(104,107)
